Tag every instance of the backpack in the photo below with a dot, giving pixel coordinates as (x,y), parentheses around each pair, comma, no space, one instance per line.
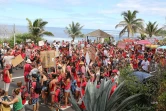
(38,88)
(5,107)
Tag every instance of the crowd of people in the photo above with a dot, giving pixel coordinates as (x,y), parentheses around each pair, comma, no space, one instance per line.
(74,66)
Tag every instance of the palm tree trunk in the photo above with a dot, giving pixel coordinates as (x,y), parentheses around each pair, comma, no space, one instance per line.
(128,34)
(73,38)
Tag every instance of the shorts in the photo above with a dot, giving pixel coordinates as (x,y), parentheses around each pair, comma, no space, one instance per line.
(35,101)
(67,90)
(6,86)
(44,88)
(78,89)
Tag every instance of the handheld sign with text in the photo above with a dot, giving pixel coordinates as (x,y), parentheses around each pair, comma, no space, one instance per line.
(47,58)
(17,60)
(41,43)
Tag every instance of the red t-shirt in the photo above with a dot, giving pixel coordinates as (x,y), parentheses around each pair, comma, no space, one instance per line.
(141,57)
(124,54)
(23,55)
(99,46)
(135,64)
(133,56)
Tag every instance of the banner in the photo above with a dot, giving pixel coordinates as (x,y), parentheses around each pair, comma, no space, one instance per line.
(121,45)
(47,58)
(41,43)
(17,60)
(92,52)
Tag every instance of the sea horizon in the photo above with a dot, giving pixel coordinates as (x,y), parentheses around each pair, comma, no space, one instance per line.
(59,33)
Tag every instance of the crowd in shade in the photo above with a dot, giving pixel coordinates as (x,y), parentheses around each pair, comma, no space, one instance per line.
(74,65)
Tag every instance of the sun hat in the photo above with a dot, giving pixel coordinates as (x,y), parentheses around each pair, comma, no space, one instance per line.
(81,63)
(28,61)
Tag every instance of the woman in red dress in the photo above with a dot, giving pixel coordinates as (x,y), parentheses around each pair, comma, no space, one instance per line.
(6,78)
(27,69)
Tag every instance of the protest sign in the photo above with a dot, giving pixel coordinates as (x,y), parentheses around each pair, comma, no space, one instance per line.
(41,43)
(17,60)
(47,58)
(92,52)
(121,45)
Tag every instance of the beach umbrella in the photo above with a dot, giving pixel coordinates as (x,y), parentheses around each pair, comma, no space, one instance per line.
(162,47)
(144,42)
(128,40)
(152,46)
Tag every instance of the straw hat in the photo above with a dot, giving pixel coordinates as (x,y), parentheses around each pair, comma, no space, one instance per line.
(81,63)
(28,61)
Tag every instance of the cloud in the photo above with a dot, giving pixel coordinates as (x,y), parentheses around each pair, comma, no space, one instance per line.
(146,7)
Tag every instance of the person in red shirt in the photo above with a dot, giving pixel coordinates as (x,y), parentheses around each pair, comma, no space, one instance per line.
(6,78)
(135,64)
(57,97)
(27,70)
(83,86)
(78,85)
(34,97)
(23,55)
(132,56)
(140,59)
(124,54)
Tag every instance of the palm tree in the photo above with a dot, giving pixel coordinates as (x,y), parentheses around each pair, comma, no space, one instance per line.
(130,23)
(142,37)
(152,29)
(74,30)
(36,29)
(100,100)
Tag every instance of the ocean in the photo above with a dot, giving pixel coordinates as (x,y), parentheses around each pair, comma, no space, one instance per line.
(59,33)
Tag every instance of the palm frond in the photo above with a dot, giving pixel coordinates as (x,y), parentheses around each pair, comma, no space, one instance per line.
(122,32)
(131,22)
(46,33)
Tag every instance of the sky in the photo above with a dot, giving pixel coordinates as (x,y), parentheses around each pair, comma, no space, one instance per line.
(92,14)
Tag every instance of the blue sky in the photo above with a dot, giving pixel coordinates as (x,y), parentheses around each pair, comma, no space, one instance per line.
(93,14)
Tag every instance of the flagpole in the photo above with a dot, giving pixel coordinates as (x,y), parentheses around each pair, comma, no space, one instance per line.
(14,35)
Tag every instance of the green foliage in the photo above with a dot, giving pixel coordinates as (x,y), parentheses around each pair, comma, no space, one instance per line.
(36,29)
(20,38)
(161,94)
(152,29)
(107,40)
(162,99)
(74,30)
(148,89)
(162,33)
(100,100)
(142,37)
(131,24)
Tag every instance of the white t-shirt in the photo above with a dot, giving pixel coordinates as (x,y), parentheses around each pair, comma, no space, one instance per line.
(8,60)
(145,65)
(57,47)
(106,53)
